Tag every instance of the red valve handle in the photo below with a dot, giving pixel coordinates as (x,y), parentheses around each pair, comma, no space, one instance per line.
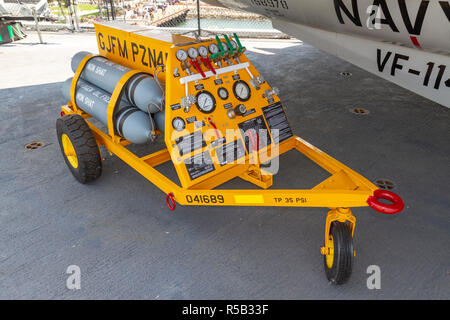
(197,66)
(170,201)
(208,63)
(255,142)
(396,206)
(214,126)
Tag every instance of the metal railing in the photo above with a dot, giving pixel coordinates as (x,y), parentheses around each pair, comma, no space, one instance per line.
(176,16)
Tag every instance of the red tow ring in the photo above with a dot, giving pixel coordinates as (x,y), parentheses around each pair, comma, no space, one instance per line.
(170,201)
(396,206)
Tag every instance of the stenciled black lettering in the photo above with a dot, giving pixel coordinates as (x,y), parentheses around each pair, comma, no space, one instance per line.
(395,64)
(123,51)
(134,50)
(112,43)
(151,57)
(160,59)
(109,42)
(143,55)
(445,5)
(100,41)
(387,15)
(380,64)
(419,17)
(437,84)
(426,80)
(340,6)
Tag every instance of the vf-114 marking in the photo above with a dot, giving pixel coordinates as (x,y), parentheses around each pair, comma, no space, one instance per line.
(397,65)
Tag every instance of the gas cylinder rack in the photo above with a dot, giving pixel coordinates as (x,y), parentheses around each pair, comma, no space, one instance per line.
(220,120)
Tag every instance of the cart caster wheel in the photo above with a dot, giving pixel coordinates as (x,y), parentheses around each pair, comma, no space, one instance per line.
(338,262)
(79,148)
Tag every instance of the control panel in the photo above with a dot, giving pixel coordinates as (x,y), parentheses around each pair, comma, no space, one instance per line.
(219,110)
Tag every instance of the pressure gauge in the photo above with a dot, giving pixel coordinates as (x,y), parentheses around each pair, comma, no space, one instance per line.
(241,90)
(222,93)
(182,55)
(178,124)
(224,46)
(234,44)
(205,102)
(213,48)
(203,51)
(193,53)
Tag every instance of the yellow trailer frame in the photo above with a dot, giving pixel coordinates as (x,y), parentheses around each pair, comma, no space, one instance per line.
(343,190)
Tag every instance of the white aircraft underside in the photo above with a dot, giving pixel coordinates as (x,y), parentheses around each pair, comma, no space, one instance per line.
(406,42)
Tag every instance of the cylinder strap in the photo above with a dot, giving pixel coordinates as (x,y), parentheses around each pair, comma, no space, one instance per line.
(122,115)
(134,83)
(115,96)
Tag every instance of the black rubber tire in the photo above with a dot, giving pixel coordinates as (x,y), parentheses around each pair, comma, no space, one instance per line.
(341,269)
(85,146)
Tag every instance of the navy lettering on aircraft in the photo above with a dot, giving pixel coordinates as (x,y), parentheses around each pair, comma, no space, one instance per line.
(419,18)
(445,5)
(148,57)
(388,18)
(412,24)
(397,63)
(339,6)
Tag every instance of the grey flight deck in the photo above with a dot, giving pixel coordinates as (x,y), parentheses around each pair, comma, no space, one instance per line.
(119,231)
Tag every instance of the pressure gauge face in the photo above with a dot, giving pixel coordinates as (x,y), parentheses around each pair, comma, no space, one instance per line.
(182,55)
(192,52)
(205,102)
(203,51)
(241,109)
(234,44)
(241,90)
(178,124)
(222,93)
(213,48)
(224,46)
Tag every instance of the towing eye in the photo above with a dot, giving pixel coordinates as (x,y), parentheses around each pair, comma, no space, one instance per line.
(374,202)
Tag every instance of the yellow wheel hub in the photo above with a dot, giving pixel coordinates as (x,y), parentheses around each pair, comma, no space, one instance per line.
(330,254)
(69,150)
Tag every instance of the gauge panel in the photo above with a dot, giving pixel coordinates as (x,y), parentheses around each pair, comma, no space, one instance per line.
(222,93)
(206,102)
(224,46)
(178,124)
(181,55)
(203,51)
(213,48)
(241,90)
(192,52)
(212,99)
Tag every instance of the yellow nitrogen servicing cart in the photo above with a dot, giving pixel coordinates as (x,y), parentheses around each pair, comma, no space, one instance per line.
(221,120)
